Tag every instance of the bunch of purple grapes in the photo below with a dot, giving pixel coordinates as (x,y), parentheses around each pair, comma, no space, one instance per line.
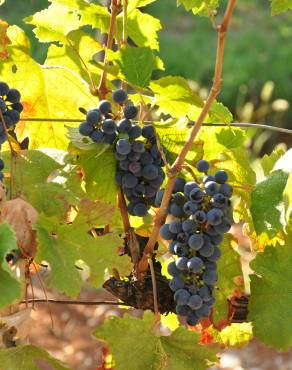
(10,108)
(140,172)
(202,214)
(100,124)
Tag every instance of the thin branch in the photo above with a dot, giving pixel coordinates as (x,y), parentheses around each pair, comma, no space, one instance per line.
(233,124)
(84,303)
(176,167)
(102,89)
(154,287)
(125,22)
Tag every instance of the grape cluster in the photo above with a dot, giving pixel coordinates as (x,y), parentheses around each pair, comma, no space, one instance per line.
(10,108)
(101,125)
(202,214)
(140,172)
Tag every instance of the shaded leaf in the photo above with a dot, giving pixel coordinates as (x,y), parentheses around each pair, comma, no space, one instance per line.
(231,138)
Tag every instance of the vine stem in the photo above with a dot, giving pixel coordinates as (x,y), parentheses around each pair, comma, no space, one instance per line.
(102,89)
(176,167)
(233,124)
(75,302)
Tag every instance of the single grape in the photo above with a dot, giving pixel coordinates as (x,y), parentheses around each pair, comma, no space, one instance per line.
(123,146)
(179,199)
(196,241)
(13,96)
(97,136)
(138,146)
(17,106)
(181,297)
(146,158)
(148,131)
(109,126)
(207,249)
(195,264)
(196,195)
(179,185)
(219,200)
(155,153)
(149,172)
(130,111)
(202,166)
(135,132)
(104,107)
(211,187)
(215,216)
(175,226)
(205,293)
(129,181)
(221,176)
(93,117)
(140,209)
(195,302)
(110,138)
(189,186)
(176,210)
(182,237)
(181,263)
(130,208)
(173,270)
(226,190)
(14,115)
(200,217)
(181,250)
(210,277)
(134,167)
(189,226)
(120,96)
(85,129)
(124,126)
(176,283)
(192,319)
(182,310)
(165,232)
(4,89)
(190,207)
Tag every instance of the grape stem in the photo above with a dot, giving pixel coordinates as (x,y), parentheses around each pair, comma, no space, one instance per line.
(85,303)
(177,166)
(102,89)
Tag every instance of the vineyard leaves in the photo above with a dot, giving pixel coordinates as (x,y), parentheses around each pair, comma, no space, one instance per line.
(279,6)
(9,286)
(180,351)
(271,297)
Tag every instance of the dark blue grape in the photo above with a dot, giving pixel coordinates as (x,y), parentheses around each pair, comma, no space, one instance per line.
(207,249)
(189,226)
(165,232)
(178,199)
(216,239)
(192,319)
(195,264)
(175,226)
(215,255)
(190,207)
(110,138)
(85,128)
(124,165)
(148,131)
(200,217)
(181,263)
(104,107)
(4,89)
(171,247)
(202,166)
(221,176)
(146,158)
(138,146)
(181,250)
(97,136)
(176,210)
(140,209)
(211,187)
(196,241)
(210,277)
(129,181)
(124,126)
(219,200)
(173,270)
(204,311)
(224,227)
(176,283)
(208,178)
(109,126)
(13,96)
(226,190)
(158,198)
(130,111)
(3,138)
(1,176)
(182,310)
(14,115)
(120,96)
(119,177)
(154,151)
(1,164)
(179,185)
(135,132)
(150,191)
(93,117)
(134,167)
(149,172)
(195,302)
(123,146)
(134,157)
(205,293)
(189,186)
(17,106)
(215,216)
(181,297)
(196,195)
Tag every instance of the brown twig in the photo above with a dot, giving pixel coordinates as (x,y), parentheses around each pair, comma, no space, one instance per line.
(102,89)
(154,287)
(75,302)
(176,167)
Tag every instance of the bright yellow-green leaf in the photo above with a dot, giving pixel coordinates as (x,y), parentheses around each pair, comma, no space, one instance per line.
(280,6)
(288,198)
(54,23)
(234,335)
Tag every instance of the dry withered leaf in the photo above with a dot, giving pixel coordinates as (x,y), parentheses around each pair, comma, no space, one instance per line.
(20,215)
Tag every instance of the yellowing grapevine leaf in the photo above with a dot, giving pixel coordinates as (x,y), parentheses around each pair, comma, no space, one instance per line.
(4,40)
(234,335)
(46,93)
(9,286)
(179,351)
(25,357)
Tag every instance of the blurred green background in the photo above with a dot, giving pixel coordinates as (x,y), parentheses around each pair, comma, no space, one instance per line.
(258,60)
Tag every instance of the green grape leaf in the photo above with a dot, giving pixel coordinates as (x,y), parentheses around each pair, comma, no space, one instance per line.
(202,7)
(28,358)
(137,65)
(52,93)
(80,45)
(174,96)
(229,268)
(231,138)
(179,351)
(54,23)
(220,113)
(132,4)
(268,161)
(266,199)
(63,245)
(280,6)
(9,286)
(99,174)
(94,214)
(271,297)
(234,335)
